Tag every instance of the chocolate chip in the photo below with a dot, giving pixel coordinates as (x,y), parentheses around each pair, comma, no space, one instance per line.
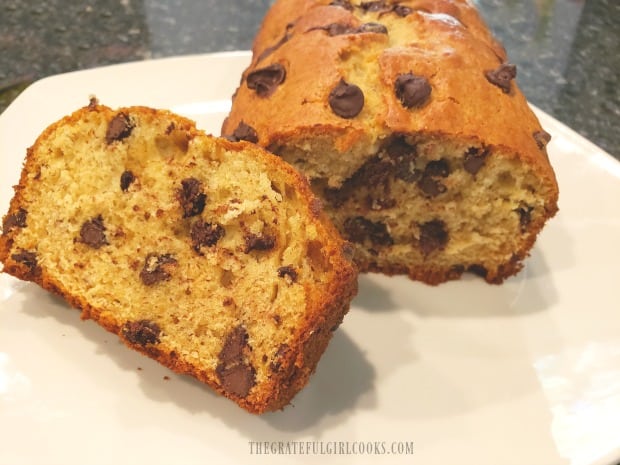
(402,11)
(429,182)
(157,268)
(29,260)
(205,234)
(346,4)
(412,91)
(346,100)
(245,132)
(525,216)
(92,233)
(433,236)
(234,372)
(191,197)
(375,6)
(141,332)
(502,76)
(127,178)
(359,229)
(475,159)
(276,364)
(119,128)
(335,29)
(266,80)
(404,156)
(478,270)
(258,242)
(15,220)
(375,28)
(542,138)
(288,271)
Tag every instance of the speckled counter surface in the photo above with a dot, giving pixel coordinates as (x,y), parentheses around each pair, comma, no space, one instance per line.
(566,51)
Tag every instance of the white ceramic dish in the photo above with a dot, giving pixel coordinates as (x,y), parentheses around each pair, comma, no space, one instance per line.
(469,373)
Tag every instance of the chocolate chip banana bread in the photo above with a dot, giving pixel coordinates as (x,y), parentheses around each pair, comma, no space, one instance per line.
(212,257)
(407,119)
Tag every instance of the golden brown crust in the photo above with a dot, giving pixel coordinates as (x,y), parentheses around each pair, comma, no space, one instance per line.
(474,104)
(289,283)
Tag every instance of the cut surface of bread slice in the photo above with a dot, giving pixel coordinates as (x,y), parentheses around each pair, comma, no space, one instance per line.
(407,119)
(212,257)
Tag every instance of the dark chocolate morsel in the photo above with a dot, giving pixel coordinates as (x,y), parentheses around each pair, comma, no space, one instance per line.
(157,268)
(346,100)
(429,183)
(92,233)
(15,220)
(375,6)
(402,10)
(246,132)
(475,159)
(258,242)
(375,28)
(284,39)
(141,332)
(433,236)
(542,138)
(266,80)
(288,271)
(191,197)
(502,76)
(525,216)
(119,128)
(205,234)
(28,259)
(478,270)
(127,178)
(234,372)
(358,229)
(412,91)
(346,4)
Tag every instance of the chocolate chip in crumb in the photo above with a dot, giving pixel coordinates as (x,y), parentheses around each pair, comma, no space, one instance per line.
(346,100)
(29,260)
(236,375)
(205,234)
(542,138)
(157,268)
(259,242)
(141,332)
(127,179)
(433,236)
(402,10)
(474,160)
(266,80)
(191,197)
(502,76)
(92,233)
(412,91)
(429,182)
(359,229)
(119,128)
(288,271)
(15,220)
(245,132)
(525,216)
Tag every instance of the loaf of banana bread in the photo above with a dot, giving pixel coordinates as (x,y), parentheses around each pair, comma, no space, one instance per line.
(406,118)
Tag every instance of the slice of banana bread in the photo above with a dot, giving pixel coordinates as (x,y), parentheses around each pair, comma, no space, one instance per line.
(406,117)
(212,257)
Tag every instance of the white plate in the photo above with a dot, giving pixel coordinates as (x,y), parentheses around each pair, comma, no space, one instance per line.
(469,373)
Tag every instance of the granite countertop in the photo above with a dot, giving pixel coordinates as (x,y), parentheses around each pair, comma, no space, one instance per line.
(566,51)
